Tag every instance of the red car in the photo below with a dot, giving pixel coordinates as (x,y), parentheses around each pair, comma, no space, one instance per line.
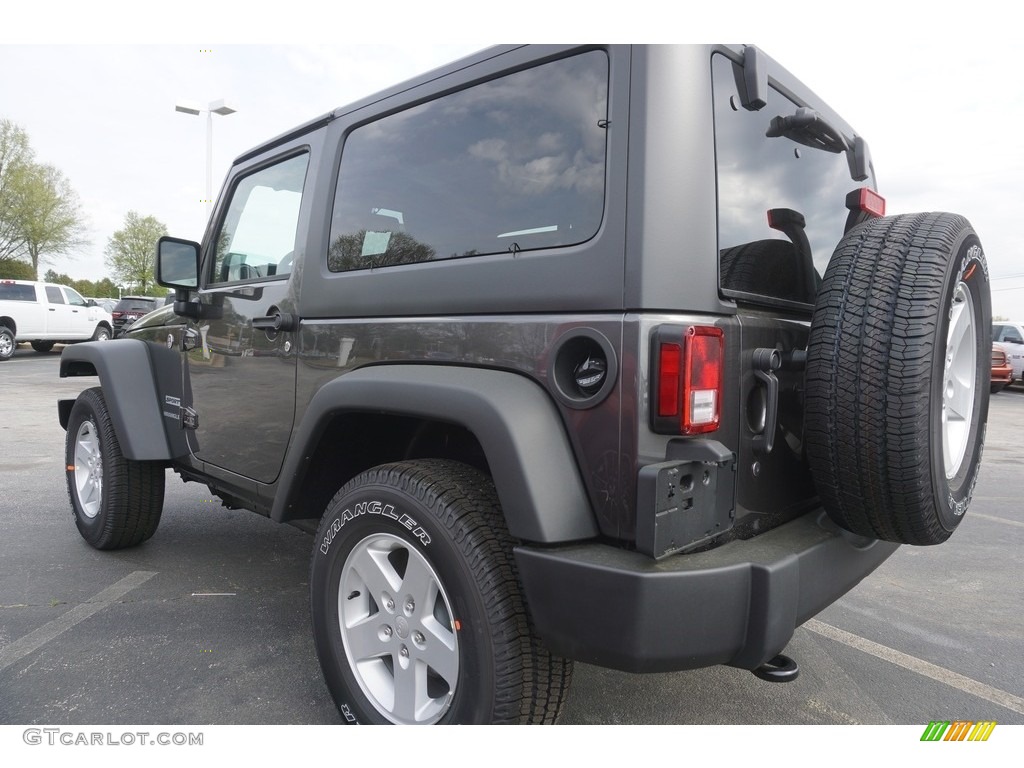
(1002,371)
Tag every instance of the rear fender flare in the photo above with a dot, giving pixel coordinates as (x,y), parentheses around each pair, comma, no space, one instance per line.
(517,424)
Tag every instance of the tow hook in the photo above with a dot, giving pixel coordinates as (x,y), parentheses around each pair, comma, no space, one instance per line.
(781,669)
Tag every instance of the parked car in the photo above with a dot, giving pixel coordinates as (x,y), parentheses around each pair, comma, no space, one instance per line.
(1010,336)
(45,314)
(1002,371)
(107,304)
(131,308)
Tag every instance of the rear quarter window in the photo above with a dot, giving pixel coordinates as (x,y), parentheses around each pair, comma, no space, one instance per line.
(511,164)
(136,304)
(15,292)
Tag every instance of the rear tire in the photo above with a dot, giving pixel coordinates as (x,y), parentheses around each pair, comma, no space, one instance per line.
(116,501)
(7,343)
(416,604)
(898,377)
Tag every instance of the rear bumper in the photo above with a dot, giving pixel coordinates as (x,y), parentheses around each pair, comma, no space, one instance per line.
(738,604)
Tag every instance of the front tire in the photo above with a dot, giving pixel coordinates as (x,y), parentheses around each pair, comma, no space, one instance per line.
(116,502)
(898,377)
(102,333)
(416,606)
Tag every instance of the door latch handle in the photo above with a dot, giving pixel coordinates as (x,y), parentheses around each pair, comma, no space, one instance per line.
(766,363)
(276,321)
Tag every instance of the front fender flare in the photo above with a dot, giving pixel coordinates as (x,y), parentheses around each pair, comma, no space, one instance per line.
(513,418)
(136,378)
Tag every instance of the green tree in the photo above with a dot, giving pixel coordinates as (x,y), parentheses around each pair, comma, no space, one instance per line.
(40,215)
(99,289)
(14,269)
(51,217)
(131,251)
(15,159)
(52,276)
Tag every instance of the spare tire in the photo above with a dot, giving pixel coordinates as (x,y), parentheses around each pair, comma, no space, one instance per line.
(897,378)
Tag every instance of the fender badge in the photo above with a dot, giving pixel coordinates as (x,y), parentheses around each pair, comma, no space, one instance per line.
(170,340)
(189,418)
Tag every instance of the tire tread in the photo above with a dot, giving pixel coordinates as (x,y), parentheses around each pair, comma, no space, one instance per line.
(133,491)
(531,684)
(869,370)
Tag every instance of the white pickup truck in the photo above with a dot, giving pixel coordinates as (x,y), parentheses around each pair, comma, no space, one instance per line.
(46,314)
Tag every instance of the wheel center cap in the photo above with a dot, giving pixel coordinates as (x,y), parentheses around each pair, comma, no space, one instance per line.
(402,627)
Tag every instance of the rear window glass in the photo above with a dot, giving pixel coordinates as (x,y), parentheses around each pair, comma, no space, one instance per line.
(127,305)
(513,164)
(805,188)
(15,292)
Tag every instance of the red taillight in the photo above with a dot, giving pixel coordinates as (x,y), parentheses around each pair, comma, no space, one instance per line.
(702,389)
(688,379)
(669,379)
(866,201)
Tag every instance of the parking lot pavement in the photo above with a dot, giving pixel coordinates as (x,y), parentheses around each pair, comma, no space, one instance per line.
(209,621)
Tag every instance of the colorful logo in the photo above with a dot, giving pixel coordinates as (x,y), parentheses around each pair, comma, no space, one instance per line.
(958,730)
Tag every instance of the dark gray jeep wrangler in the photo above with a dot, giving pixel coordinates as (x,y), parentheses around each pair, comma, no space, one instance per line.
(595,353)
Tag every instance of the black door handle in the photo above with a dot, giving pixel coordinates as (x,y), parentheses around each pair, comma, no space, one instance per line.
(278,321)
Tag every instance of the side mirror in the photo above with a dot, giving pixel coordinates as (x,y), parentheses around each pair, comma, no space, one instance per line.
(91,303)
(177,267)
(177,263)
(1013,340)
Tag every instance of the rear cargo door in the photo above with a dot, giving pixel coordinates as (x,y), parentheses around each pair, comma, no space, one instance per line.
(783,180)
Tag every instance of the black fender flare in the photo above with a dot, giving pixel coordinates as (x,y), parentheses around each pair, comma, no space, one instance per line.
(140,382)
(516,422)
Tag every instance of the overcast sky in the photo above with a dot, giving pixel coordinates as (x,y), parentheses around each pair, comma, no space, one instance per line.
(940,98)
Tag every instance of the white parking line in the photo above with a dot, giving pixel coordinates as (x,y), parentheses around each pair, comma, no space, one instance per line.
(998,519)
(921,667)
(40,637)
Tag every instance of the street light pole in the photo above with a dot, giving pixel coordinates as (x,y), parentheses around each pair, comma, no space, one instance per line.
(221,108)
